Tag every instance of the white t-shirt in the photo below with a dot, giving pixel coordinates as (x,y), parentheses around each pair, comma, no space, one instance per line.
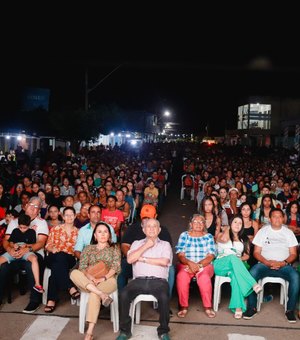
(275,244)
(39,225)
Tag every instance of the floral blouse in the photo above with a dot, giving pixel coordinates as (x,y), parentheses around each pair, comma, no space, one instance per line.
(59,239)
(91,255)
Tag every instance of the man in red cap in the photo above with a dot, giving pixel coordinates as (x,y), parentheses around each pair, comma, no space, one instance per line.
(135,233)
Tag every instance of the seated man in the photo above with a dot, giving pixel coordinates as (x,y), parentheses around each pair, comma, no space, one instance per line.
(275,249)
(41,229)
(150,259)
(134,233)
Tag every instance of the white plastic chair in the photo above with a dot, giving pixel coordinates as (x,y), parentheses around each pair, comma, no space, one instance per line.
(219,280)
(135,307)
(114,310)
(283,290)
(47,274)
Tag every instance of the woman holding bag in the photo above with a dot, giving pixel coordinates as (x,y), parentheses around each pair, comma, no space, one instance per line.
(100,254)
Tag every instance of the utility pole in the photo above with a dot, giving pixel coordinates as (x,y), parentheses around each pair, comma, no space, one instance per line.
(87,90)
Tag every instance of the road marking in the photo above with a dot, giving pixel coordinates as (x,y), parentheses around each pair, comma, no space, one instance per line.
(46,328)
(235,336)
(144,332)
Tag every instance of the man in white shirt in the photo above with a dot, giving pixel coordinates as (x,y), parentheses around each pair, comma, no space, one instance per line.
(275,249)
(41,228)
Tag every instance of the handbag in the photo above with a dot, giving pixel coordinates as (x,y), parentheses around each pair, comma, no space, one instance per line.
(98,270)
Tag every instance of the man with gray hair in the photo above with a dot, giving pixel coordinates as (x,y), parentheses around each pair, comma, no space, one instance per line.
(40,226)
(150,259)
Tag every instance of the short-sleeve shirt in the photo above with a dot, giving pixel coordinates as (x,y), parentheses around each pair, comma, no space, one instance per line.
(161,249)
(28,237)
(91,255)
(275,244)
(38,224)
(195,248)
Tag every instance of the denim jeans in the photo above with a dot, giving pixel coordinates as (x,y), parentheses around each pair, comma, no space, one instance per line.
(288,273)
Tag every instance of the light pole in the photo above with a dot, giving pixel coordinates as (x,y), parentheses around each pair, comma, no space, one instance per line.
(87,90)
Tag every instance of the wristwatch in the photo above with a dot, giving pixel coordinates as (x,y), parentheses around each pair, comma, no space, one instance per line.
(30,249)
(200,265)
(286,263)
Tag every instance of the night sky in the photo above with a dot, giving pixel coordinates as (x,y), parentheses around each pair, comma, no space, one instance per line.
(196,90)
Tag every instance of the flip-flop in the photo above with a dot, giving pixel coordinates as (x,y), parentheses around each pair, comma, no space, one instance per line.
(238,314)
(49,309)
(210,313)
(75,295)
(182,313)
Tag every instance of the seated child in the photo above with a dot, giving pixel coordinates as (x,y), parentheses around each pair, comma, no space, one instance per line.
(22,237)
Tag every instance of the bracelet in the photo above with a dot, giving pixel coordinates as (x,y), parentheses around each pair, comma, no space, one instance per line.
(286,263)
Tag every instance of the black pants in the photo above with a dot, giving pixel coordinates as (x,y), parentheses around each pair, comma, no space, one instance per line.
(156,287)
(60,265)
(6,270)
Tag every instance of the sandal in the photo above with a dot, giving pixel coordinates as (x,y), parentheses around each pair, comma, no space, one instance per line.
(182,313)
(238,314)
(49,309)
(210,313)
(107,301)
(75,295)
(89,336)
(257,288)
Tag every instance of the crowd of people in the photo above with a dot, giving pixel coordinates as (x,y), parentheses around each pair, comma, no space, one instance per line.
(74,215)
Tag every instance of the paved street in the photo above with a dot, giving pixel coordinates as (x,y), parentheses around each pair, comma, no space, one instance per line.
(270,323)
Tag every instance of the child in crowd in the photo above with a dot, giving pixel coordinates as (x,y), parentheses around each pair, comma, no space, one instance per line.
(9,215)
(22,237)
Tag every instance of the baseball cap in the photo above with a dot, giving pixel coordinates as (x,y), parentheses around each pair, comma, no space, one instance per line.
(148,210)
(233,189)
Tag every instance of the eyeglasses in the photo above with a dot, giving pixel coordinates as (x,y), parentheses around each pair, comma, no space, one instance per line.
(34,205)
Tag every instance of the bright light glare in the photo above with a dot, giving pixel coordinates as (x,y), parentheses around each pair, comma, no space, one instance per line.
(119,135)
(19,138)
(133,142)
(167,113)
(7,137)
(112,134)
(128,135)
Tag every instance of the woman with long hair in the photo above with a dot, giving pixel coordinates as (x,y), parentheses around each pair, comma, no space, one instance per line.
(101,249)
(233,248)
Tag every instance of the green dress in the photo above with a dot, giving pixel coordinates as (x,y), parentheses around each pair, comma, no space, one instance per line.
(229,264)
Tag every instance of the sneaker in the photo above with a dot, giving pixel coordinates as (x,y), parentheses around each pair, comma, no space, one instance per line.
(123,336)
(31,307)
(290,315)
(249,314)
(39,289)
(165,336)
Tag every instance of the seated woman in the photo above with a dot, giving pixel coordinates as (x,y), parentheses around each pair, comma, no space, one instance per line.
(292,218)
(151,194)
(61,258)
(233,248)
(101,249)
(195,250)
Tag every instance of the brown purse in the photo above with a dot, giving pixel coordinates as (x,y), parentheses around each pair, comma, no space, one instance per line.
(98,270)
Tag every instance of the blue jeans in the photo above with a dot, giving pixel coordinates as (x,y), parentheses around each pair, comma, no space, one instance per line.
(288,273)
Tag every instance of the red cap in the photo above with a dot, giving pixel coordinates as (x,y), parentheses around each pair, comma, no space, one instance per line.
(148,210)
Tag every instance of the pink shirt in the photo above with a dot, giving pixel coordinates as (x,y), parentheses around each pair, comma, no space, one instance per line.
(161,249)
